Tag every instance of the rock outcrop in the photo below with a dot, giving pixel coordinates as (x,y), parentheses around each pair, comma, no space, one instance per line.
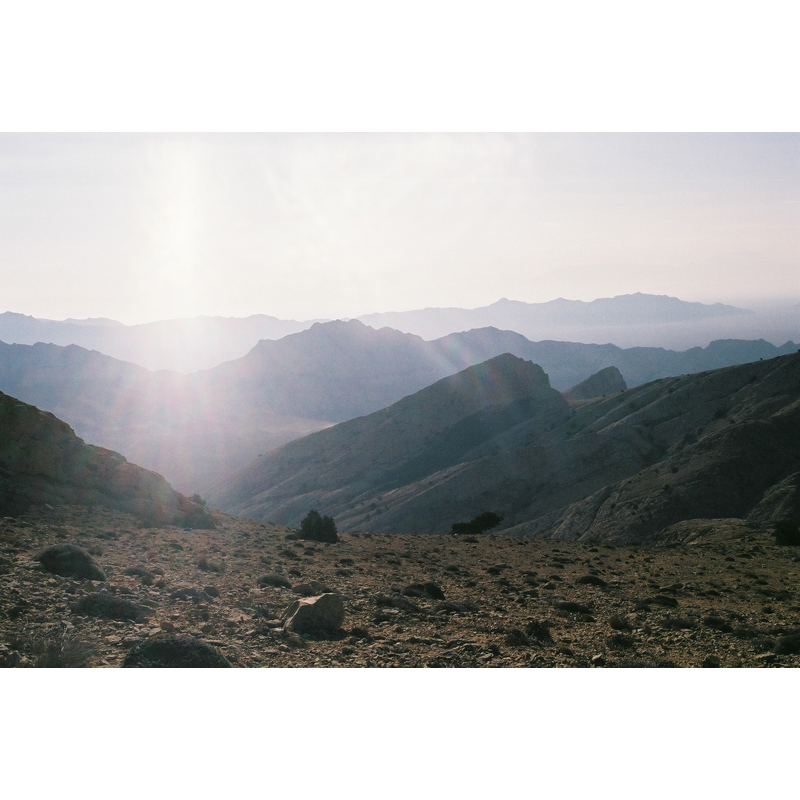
(606,382)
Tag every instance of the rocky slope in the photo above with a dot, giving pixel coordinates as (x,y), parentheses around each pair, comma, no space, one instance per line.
(43,462)
(622,468)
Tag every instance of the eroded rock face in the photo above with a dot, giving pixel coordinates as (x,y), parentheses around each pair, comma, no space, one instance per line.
(70,561)
(323,613)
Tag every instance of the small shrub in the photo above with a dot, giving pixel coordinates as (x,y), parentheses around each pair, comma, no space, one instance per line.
(70,560)
(175,651)
(273,579)
(787,533)
(572,607)
(106,606)
(678,624)
(480,524)
(591,580)
(209,566)
(717,623)
(145,574)
(61,649)
(429,589)
(317,528)
(618,623)
(789,644)
(516,638)
(620,641)
(539,630)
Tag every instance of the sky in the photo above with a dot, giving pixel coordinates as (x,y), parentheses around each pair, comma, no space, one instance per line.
(139,227)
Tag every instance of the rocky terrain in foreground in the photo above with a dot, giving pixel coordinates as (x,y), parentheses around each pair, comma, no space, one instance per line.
(708,593)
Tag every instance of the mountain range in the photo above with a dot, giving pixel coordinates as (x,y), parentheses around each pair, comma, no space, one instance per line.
(497,437)
(195,429)
(189,345)
(184,345)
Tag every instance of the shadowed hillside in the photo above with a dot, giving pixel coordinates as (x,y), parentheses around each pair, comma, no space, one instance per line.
(43,462)
(716,444)
(429,430)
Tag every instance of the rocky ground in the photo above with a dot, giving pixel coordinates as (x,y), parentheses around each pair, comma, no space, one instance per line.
(716,593)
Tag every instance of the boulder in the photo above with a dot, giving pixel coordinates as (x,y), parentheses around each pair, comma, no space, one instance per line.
(71,561)
(323,613)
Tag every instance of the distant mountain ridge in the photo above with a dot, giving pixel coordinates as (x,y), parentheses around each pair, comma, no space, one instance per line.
(183,345)
(190,345)
(627,309)
(196,428)
(633,320)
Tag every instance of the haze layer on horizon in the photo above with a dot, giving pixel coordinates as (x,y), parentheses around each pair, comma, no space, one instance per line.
(144,227)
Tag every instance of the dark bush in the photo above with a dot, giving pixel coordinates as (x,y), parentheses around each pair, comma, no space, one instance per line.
(789,644)
(619,623)
(787,532)
(106,606)
(429,589)
(71,561)
(591,580)
(142,572)
(718,623)
(516,638)
(480,524)
(190,593)
(273,579)
(174,651)
(572,607)
(678,624)
(318,528)
(620,640)
(209,566)
(539,630)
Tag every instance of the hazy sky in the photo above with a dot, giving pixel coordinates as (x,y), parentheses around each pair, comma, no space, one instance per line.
(142,227)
